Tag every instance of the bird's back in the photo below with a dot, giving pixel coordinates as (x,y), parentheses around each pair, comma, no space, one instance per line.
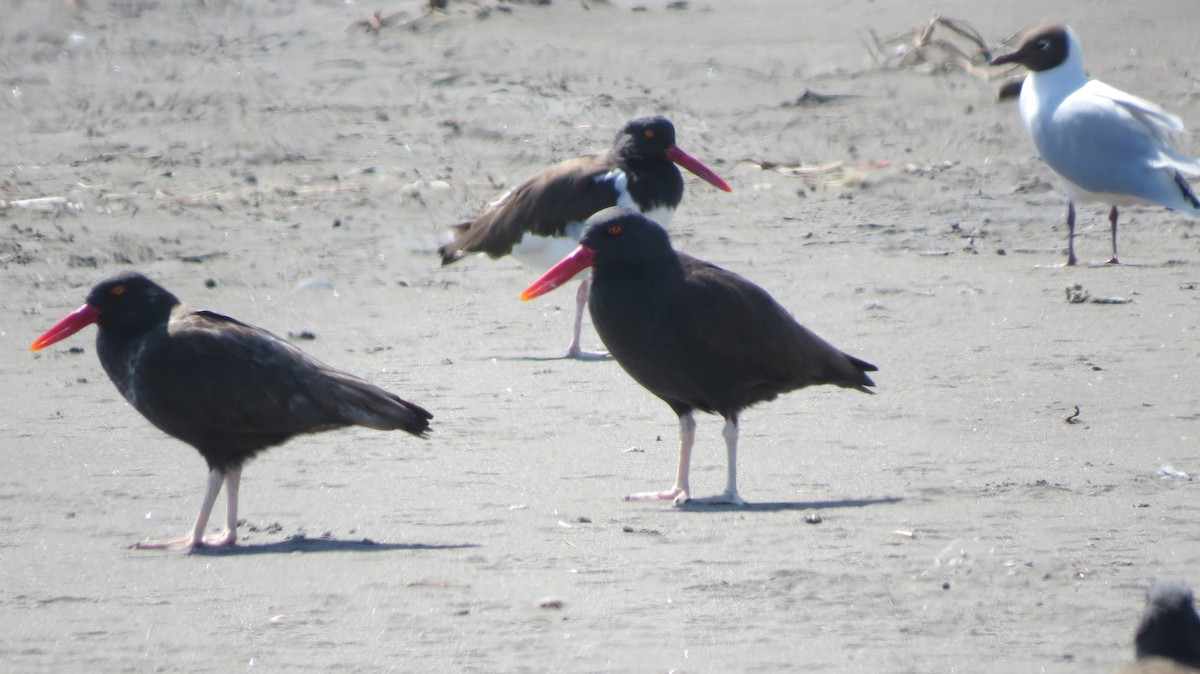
(544,205)
(1108,146)
(710,339)
(231,389)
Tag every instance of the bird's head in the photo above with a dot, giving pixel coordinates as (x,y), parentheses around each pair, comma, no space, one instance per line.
(1043,48)
(652,138)
(611,238)
(126,300)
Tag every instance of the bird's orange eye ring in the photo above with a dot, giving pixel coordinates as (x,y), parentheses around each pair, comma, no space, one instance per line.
(116,291)
(615,229)
(648,133)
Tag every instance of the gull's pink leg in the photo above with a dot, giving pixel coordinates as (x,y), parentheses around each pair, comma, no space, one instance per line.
(233,480)
(213,488)
(678,493)
(575,350)
(1112,219)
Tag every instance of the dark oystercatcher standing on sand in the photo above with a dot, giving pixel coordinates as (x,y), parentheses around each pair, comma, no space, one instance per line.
(695,335)
(541,220)
(224,387)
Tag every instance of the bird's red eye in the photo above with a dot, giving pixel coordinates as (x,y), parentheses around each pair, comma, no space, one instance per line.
(116,291)
(648,133)
(615,229)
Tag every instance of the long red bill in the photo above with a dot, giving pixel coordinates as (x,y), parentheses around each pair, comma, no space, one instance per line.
(694,165)
(560,273)
(73,323)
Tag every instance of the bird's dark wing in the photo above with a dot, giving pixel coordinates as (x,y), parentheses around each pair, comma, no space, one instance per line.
(719,334)
(543,205)
(216,377)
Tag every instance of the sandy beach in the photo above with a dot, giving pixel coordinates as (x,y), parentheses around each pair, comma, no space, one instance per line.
(283,164)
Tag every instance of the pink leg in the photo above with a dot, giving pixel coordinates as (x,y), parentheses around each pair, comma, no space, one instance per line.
(730,495)
(196,538)
(233,481)
(678,493)
(1112,220)
(1071,234)
(575,350)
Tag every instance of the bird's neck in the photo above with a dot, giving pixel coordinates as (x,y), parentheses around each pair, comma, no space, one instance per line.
(653,186)
(1053,85)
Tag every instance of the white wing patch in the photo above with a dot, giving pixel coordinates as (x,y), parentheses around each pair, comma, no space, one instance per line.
(657,213)
(543,252)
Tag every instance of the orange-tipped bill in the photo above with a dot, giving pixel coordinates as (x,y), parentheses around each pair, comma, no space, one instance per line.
(694,165)
(73,323)
(560,273)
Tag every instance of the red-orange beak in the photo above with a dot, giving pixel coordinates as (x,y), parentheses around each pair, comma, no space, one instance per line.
(694,165)
(560,273)
(73,323)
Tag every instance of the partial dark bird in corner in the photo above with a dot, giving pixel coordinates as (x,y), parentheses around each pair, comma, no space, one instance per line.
(1010,88)
(541,220)
(1103,144)
(695,335)
(1168,638)
(226,388)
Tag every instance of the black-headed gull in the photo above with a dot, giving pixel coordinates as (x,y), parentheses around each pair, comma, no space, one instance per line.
(1105,145)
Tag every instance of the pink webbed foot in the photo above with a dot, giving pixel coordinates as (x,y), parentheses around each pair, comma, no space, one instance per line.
(577,353)
(224,540)
(187,543)
(177,544)
(676,494)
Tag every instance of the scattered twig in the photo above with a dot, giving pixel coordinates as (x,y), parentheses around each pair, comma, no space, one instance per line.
(918,50)
(1077,294)
(43,205)
(832,173)
(810,97)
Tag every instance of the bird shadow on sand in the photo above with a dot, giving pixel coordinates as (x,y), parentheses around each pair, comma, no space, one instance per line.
(590,358)
(776,506)
(295,544)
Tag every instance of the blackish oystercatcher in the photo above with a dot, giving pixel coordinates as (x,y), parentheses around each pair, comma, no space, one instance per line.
(1104,145)
(224,387)
(541,220)
(1168,638)
(695,335)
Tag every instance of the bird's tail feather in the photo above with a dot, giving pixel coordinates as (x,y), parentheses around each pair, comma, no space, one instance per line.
(856,377)
(368,405)
(1189,194)
(452,251)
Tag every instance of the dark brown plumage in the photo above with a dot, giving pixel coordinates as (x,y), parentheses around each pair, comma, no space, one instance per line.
(695,335)
(541,219)
(228,389)
(1170,627)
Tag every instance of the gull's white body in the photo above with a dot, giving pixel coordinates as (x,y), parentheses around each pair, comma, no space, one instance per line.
(1105,145)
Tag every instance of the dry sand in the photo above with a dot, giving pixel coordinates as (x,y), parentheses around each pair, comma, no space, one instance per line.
(308,172)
